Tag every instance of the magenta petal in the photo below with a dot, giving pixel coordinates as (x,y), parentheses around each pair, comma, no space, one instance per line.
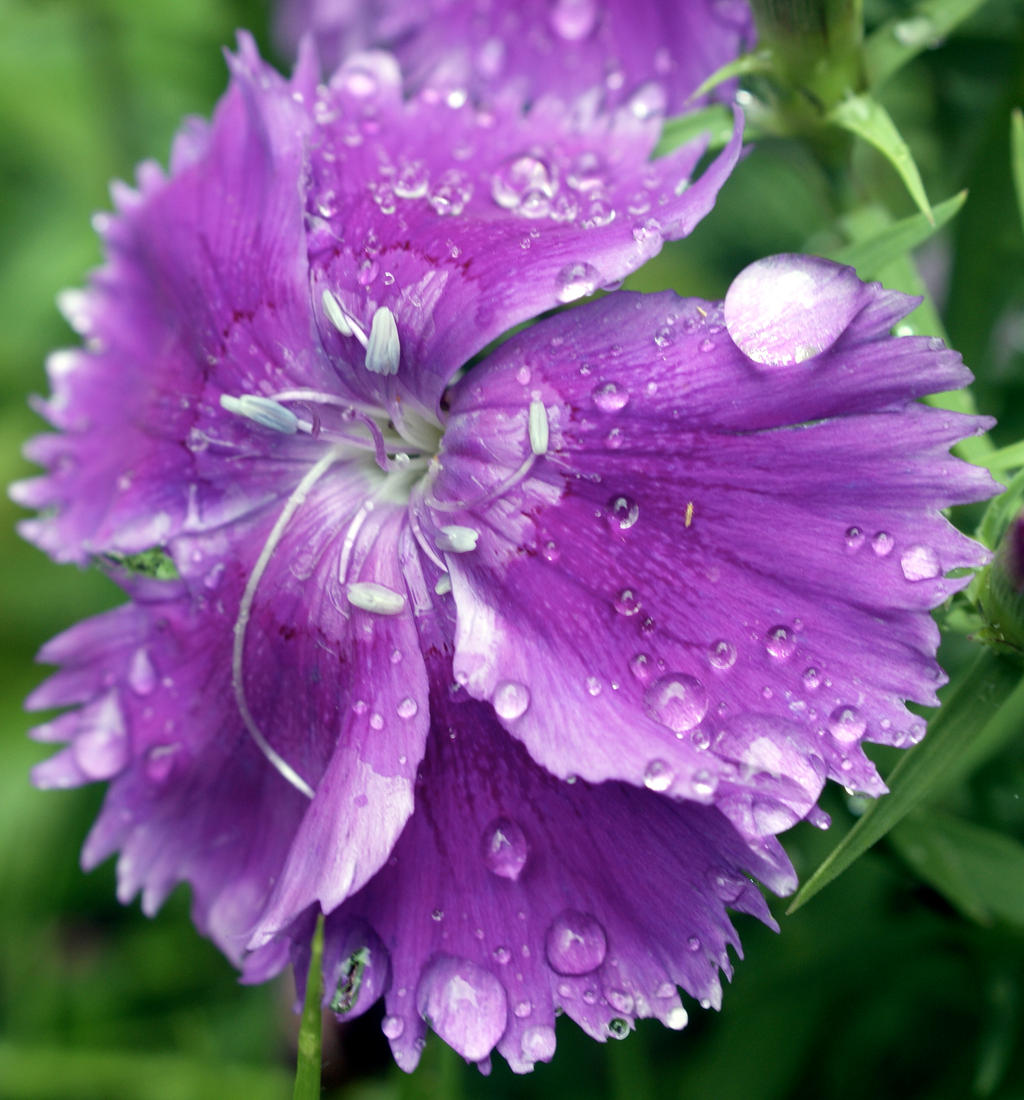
(714,580)
(656,53)
(619,898)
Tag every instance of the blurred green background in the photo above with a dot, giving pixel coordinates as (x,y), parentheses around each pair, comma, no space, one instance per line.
(879,987)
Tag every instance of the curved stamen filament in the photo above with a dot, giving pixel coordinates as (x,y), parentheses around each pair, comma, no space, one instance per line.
(292,505)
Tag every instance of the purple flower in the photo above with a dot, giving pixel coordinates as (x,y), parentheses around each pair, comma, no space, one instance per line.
(516,673)
(655,52)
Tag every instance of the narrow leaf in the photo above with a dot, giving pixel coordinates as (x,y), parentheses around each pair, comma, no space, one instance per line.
(757,62)
(869,120)
(870,256)
(980,714)
(715,121)
(980,871)
(902,38)
(1017,157)
(308,1068)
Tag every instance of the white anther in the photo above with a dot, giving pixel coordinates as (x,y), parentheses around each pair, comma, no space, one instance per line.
(443,585)
(538,428)
(378,598)
(335,314)
(383,350)
(454,539)
(261,410)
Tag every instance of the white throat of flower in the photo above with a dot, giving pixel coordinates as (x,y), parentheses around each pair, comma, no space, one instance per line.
(404,449)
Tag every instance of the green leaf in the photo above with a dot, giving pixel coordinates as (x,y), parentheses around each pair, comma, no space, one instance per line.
(308,1069)
(978,870)
(156,564)
(869,120)
(1017,158)
(980,714)
(716,121)
(902,38)
(872,255)
(758,62)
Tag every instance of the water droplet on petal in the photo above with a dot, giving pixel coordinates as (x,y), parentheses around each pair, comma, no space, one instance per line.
(658,776)
(704,783)
(677,701)
(160,761)
(524,183)
(854,538)
(641,666)
(920,563)
(785,309)
(846,724)
(575,943)
(618,1028)
(573,19)
(812,679)
(505,848)
(141,673)
(511,700)
(465,1004)
(780,643)
(647,101)
(393,1026)
(539,1043)
(627,602)
(623,512)
(722,655)
(609,397)
(882,544)
(727,885)
(407,708)
(677,1018)
(576,281)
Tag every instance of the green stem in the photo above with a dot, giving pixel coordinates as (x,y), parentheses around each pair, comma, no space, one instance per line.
(308,1067)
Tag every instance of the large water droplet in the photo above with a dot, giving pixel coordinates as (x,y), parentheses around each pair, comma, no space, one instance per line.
(609,397)
(511,700)
(846,724)
(505,848)
(785,309)
(465,1004)
(622,513)
(576,281)
(677,701)
(573,19)
(575,943)
(920,563)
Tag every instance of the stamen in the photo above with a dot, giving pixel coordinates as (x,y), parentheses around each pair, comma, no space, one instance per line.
(384,349)
(499,490)
(455,539)
(292,505)
(378,598)
(262,410)
(443,585)
(342,321)
(538,427)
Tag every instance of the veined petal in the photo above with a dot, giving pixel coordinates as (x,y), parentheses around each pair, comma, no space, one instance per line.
(262,737)
(340,252)
(512,896)
(715,581)
(535,47)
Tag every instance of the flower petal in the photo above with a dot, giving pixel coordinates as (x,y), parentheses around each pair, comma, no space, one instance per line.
(715,581)
(511,896)
(535,47)
(337,695)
